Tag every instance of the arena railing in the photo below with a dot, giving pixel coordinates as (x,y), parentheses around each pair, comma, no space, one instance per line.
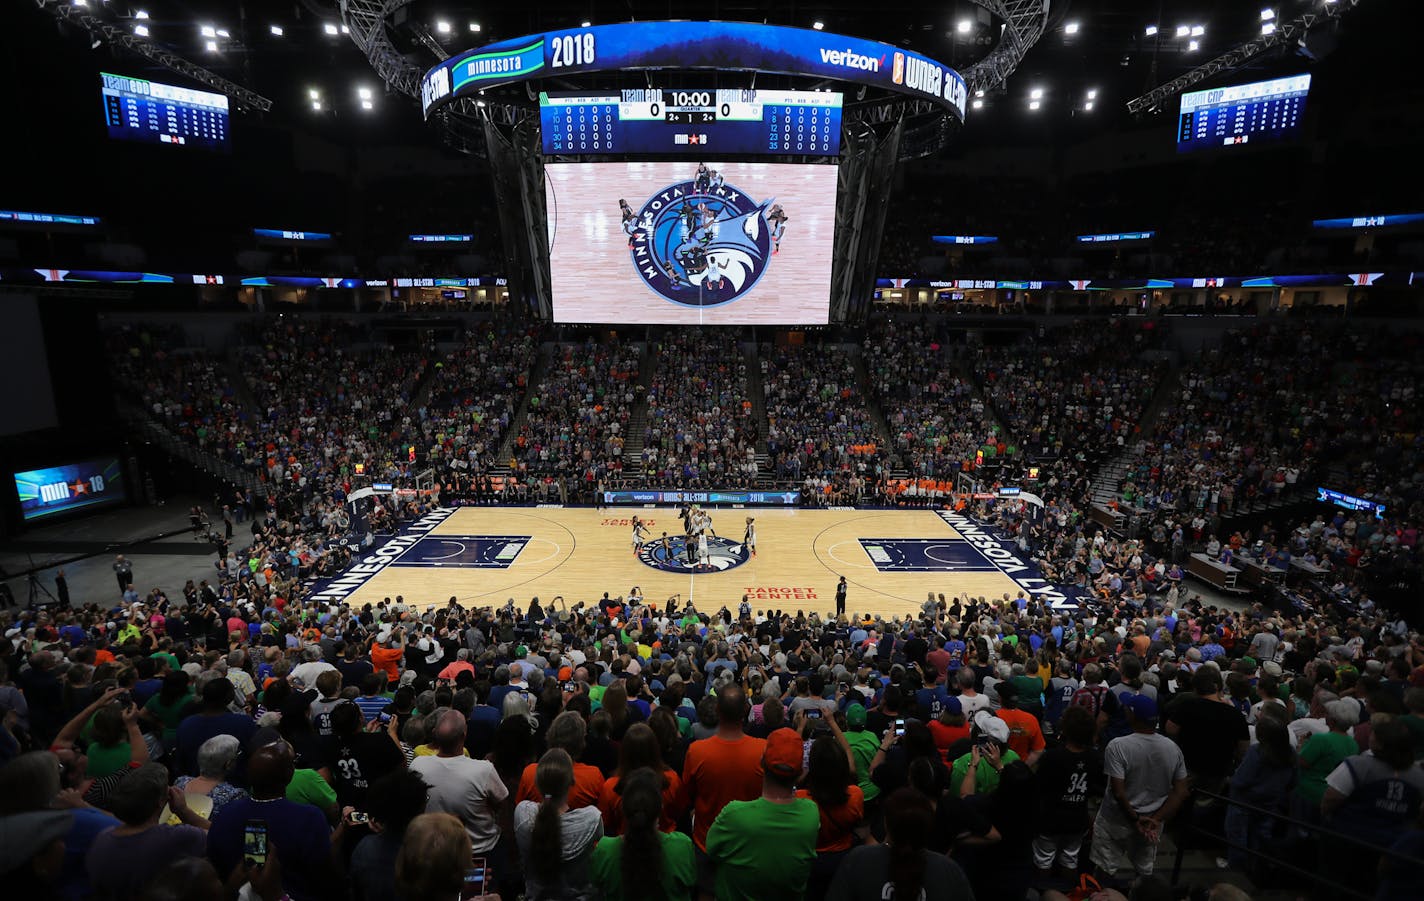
(1313,833)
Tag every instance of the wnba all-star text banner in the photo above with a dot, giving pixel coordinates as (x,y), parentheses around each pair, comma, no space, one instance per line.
(693,45)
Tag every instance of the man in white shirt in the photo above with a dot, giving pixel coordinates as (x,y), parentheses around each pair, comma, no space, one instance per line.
(311,666)
(470,789)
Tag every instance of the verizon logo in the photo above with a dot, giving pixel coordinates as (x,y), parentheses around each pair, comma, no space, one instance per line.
(851,60)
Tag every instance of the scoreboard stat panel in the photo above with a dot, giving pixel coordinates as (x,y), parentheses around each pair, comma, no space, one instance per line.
(1243,114)
(139,110)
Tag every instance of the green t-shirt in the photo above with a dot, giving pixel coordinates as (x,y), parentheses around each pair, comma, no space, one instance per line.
(164,655)
(1030,690)
(1319,757)
(763,849)
(986,778)
(105,761)
(307,787)
(169,715)
(679,867)
(863,745)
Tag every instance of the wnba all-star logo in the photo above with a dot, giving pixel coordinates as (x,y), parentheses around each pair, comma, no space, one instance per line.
(722,554)
(702,243)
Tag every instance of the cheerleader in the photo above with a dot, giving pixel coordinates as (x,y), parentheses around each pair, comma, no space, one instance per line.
(749,539)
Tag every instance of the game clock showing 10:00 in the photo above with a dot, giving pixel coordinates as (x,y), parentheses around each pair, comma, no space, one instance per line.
(693,122)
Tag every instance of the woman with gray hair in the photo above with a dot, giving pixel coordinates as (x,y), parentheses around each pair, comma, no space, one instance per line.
(216,757)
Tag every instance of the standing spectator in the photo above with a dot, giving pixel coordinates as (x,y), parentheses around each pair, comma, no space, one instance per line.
(470,789)
(1147,778)
(386,655)
(393,803)
(1025,735)
(123,573)
(567,732)
(433,858)
(354,759)
(902,867)
(830,783)
(639,750)
(1376,795)
(297,832)
(864,745)
(123,858)
(1211,731)
(214,717)
(724,767)
(1063,780)
(644,855)
(1265,779)
(556,841)
(764,848)
(1320,754)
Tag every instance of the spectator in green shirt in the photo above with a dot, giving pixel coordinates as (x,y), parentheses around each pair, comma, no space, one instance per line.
(863,746)
(765,848)
(1321,753)
(643,855)
(978,771)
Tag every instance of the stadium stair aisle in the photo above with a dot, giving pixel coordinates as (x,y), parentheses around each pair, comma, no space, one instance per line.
(638,418)
(536,379)
(872,406)
(756,394)
(1107,481)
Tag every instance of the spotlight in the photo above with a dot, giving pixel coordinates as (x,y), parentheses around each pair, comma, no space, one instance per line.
(475,27)
(276,31)
(141,30)
(1151,30)
(141,14)
(818,25)
(208,31)
(222,33)
(1034,105)
(367,105)
(1088,107)
(442,27)
(964,27)
(314,94)
(1268,28)
(212,46)
(1267,15)
(364,93)
(1093,94)
(1070,28)
(1198,30)
(329,28)
(978,104)
(1183,30)
(585,24)
(1036,94)
(1193,46)
(316,105)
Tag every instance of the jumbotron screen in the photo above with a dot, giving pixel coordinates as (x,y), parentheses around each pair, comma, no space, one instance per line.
(687,243)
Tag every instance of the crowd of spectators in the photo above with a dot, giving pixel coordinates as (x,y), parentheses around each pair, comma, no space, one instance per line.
(819,431)
(1077,390)
(592,752)
(577,422)
(937,419)
(700,430)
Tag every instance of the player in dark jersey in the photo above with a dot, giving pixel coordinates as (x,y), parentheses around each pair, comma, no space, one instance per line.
(630,221)
(777,218)
(702,180)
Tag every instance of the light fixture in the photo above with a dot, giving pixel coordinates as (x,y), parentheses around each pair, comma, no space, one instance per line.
(1267,15)
(1268,28)
(329,28)
(81,2)
(345,29)
(443,27)
(979,93)
(1036,94)
(479,103)
(964,27)
(222,33)
(364,93)
(978,104)
(475,26)
(316,105)
(212,46)
(1070,28)
(818,25)
(1034,105)
(276,30)
(1093,94)
(141,14)
(1198,30)
(1193,46)
(1151,30)
(313,93)
(208,31)
(141,30)
(367,105)
(585,24)
(1088,107)
(1183,30)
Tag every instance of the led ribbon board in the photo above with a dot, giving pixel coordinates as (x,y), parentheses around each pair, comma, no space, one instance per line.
(721,46)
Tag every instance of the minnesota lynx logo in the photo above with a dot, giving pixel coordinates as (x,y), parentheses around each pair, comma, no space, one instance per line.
(702,243)
(722,554)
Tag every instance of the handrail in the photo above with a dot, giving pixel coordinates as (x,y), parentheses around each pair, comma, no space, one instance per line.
(1315,829)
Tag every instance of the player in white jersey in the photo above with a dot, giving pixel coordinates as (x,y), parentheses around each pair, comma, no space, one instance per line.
(750,538)
(640,533)
(703,554)
(714,274)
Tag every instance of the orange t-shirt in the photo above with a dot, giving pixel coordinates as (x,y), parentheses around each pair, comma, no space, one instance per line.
(716,772)
(611,803)
(838,823)
(588,785)
(1025,736)
(384,660)
(944,736)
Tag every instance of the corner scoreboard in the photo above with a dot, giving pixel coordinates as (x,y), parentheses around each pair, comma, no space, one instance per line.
(697,122)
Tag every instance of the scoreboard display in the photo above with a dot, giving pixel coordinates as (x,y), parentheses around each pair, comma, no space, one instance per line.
(1243,114)
(698,122)
(150,111)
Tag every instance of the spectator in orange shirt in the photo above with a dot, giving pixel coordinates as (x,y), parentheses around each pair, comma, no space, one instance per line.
(640,749)
(721,768)
(385,659)
(1025,734)
(569,733)
(950,728)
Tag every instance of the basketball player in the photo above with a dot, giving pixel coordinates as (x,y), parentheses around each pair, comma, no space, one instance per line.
(714,274)
(702,180)
(703,554)
(716,181)
(667,547)
(777,217)
(639,534)
(630,221)
(749,539)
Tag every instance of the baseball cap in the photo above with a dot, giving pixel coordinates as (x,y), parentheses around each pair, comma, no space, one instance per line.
(855,716)
(991,726)
(1249,662)
(1272,668)
(954,707)
(1141,706)
(783,754)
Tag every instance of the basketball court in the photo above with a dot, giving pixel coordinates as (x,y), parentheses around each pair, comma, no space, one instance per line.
(486,555)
